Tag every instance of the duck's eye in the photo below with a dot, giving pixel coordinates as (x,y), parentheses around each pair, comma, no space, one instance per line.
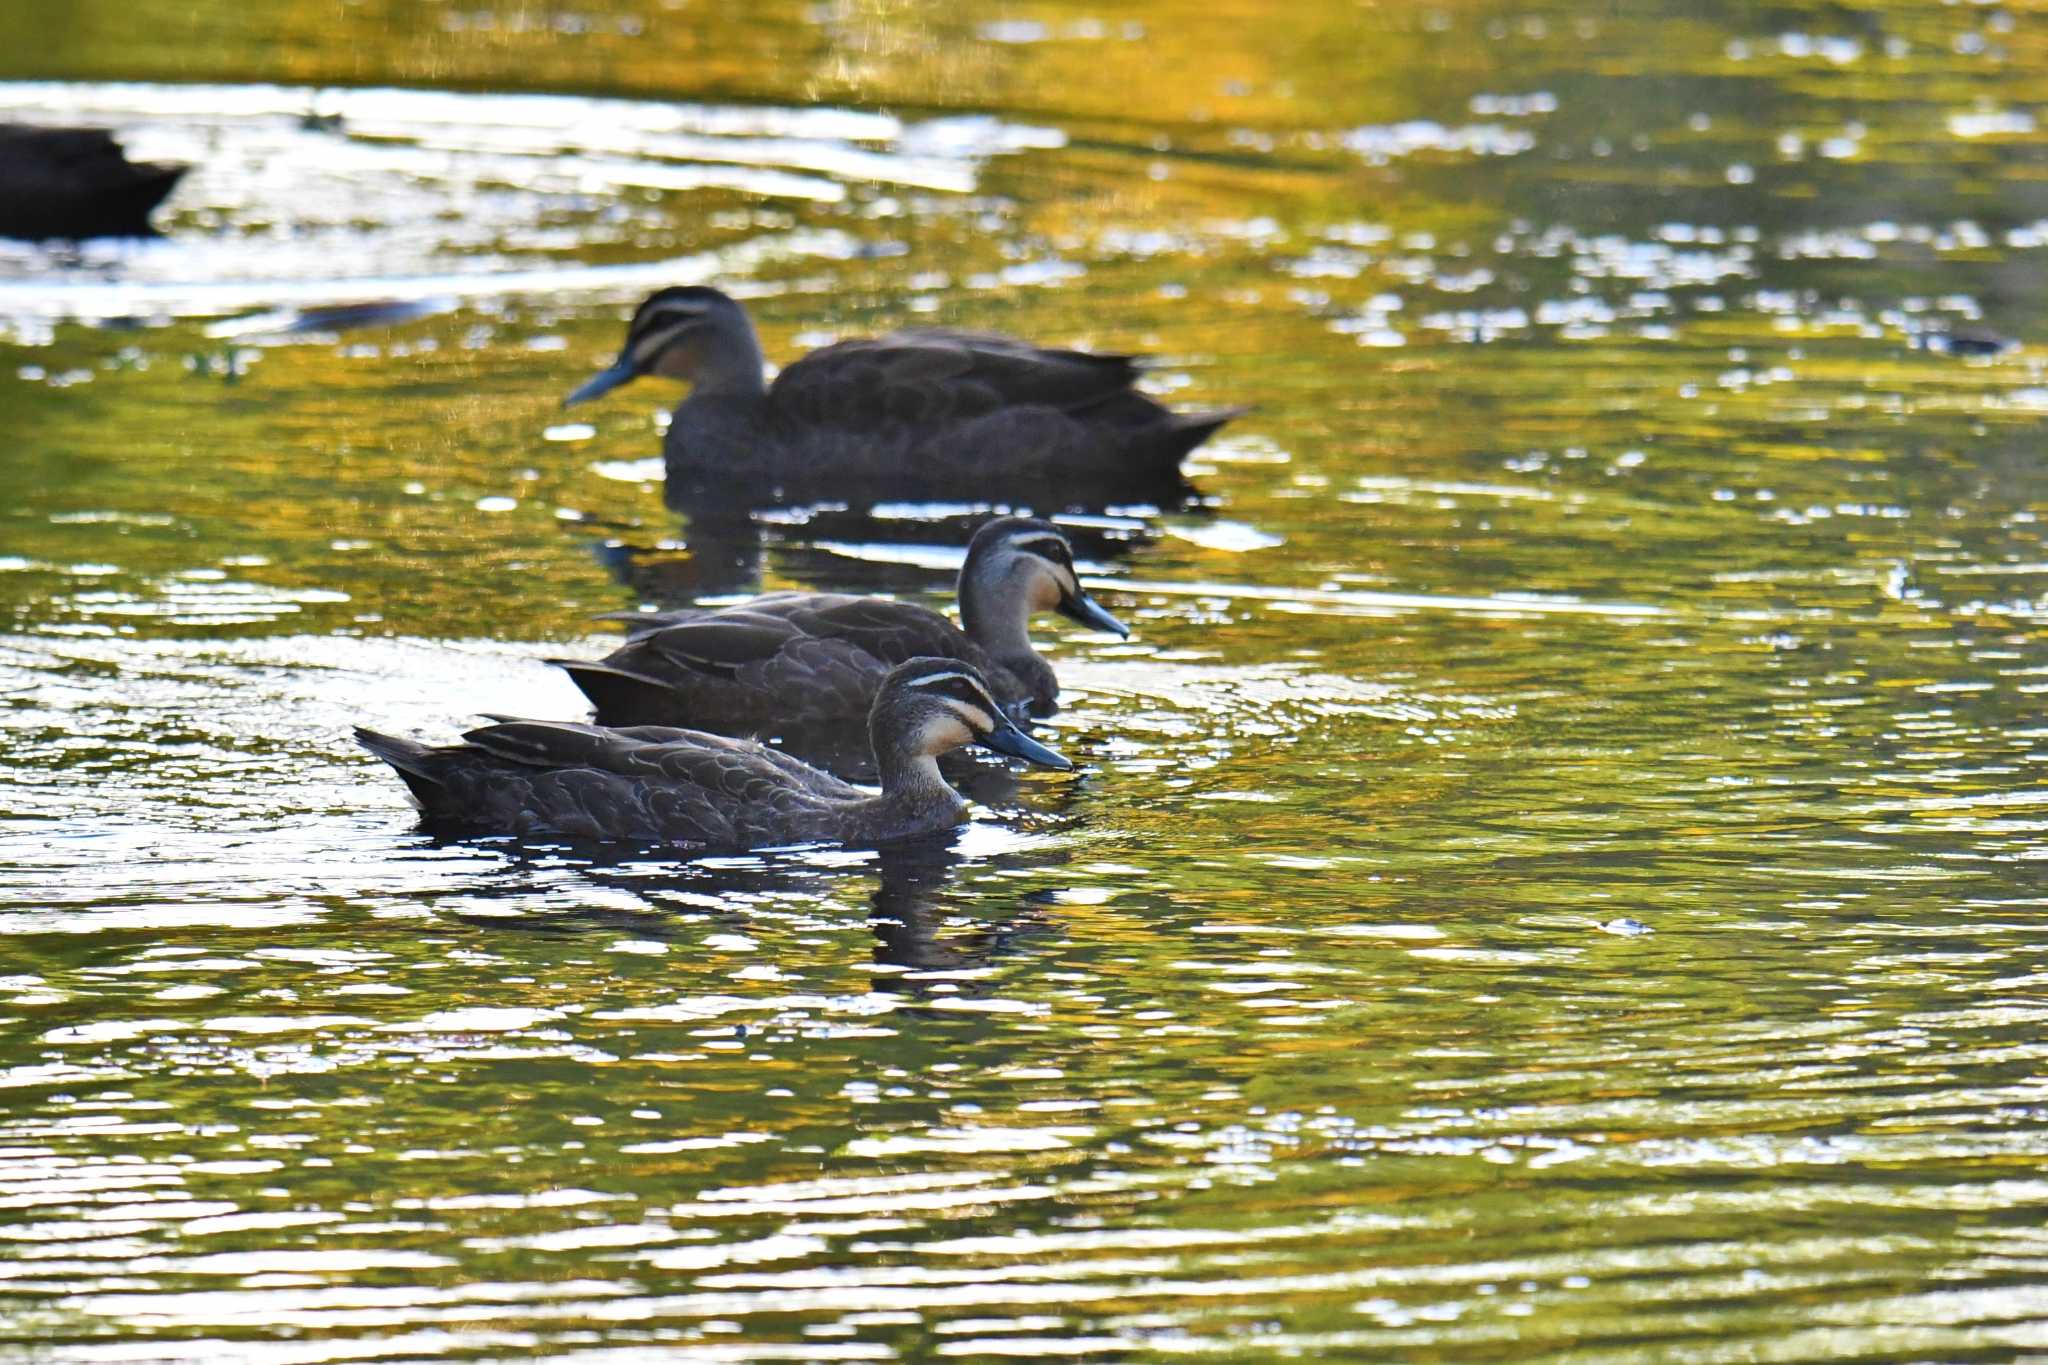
(675,317)
(965,690)
(959,690)
(1045,546)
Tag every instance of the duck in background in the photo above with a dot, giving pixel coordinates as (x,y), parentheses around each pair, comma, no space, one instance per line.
(929,410)
(70,183)
(541,777)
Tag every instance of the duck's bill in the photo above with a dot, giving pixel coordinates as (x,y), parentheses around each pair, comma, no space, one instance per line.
(1008,739)
(1089,612)
(603,382)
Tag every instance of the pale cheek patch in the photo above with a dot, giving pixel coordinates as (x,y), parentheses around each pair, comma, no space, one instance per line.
(1047,590)
(942,733)
(977,720)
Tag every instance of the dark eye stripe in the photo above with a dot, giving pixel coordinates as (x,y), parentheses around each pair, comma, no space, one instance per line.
(975,696)
(960,687)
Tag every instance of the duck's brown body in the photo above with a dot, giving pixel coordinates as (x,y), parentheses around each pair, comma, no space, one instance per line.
(933,411)
(940,411)
(804,663)
(785,661)
(654,784)
(649,784)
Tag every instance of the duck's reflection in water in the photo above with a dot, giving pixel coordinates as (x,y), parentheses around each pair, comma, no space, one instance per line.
(924,909)
(858,542)
(912,919)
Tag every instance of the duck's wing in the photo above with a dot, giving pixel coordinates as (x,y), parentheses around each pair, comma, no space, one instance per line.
(931,377)
(737,771)
(646,622)
(892,632)
(719,646)
(798,629)
(771,664)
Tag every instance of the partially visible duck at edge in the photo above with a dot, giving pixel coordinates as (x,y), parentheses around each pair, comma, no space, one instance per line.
(69,183)
(798,661)
(929,408)
(653,784)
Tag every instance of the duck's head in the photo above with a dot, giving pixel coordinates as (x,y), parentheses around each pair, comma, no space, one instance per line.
(928,707)
(690,332)
(1026,561)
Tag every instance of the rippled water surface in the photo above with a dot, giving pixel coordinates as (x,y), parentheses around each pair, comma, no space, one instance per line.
(1553,874)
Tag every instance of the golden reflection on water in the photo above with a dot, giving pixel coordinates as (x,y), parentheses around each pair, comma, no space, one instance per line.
(1552,873)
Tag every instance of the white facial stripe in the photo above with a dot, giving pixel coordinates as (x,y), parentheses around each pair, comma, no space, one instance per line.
(935,679)
(1040,543)
(978,720)
(655,339)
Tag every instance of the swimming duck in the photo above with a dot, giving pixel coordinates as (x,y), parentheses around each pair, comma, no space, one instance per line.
(928,409)
(76,182)
(651,783)
(793,660)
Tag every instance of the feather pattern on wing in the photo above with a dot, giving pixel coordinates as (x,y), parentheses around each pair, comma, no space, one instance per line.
(790,660)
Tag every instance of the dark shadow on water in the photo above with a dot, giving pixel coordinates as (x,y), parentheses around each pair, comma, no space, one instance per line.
(918,889)
(909,916)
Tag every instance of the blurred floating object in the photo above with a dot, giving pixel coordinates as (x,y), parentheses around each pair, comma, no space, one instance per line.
(339,317)
(1969,341)
(1626,927)
(70,183)
(1230,537)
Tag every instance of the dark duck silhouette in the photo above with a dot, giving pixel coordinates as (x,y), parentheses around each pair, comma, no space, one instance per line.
(925,410)
(74,183)
(651,783)
(795,662)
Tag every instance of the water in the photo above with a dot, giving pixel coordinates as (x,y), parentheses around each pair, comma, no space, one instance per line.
(1553,875)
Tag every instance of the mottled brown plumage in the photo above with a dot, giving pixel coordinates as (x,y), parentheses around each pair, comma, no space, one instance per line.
(805,661)
(650,783)
(925,410)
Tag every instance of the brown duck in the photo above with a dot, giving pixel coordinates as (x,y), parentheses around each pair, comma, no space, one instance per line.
(803,662)
(930,410)
(650,783)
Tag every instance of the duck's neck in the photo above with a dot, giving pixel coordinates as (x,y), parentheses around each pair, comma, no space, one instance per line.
(998,618)
(734,367)
(913,791)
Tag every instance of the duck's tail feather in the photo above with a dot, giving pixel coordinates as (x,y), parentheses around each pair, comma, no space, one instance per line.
(621,697)
(412,761)
(1187,430)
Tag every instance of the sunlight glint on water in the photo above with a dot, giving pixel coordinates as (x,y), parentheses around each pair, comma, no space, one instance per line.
(1553,872)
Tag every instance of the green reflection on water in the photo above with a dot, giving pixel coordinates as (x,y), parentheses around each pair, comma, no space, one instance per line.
(1309,1018)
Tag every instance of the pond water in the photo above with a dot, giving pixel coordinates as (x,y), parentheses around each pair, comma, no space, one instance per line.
(1553,874)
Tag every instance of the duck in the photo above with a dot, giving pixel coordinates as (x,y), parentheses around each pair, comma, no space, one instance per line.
(687,787)
(70,183)
(794,661)
(925,409)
